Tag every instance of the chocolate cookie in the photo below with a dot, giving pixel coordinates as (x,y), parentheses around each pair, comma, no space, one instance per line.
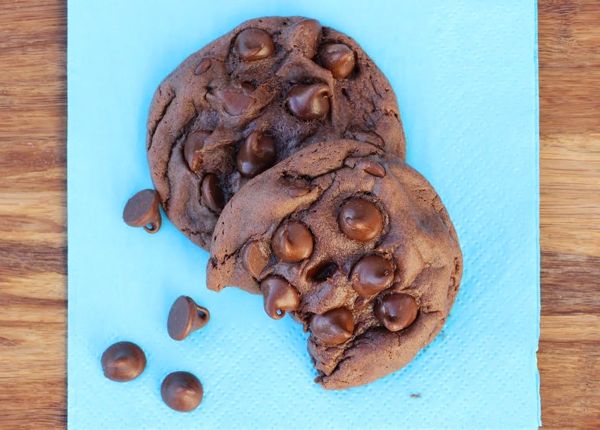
(250,99)
(355,244)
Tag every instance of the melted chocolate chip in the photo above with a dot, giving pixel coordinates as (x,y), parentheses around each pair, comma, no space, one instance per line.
(256,154)
(338,58)
(203,66)
(279,296)
(304,37)
(192,149)
(333,327)
(142,210)
(396,311)
(255,256)
(253,44)
(185,317)
(309,101)
(360,219)
(298,190)
(371,275)
(372,168)
(212,194)
(181,391)
(123,361)
(235,102)
(295,187)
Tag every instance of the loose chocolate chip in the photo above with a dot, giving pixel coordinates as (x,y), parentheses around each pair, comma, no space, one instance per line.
(371,275)
(396,311)
(185,317)
(142,210)
(123,361)
(255,256)
(292,242)
(279,296)
(338,58)
(372,168)
(360,219)
(181,391)
(309,101)
(253,44)
(333,327)
(192,149)
(256,154)
(235,102)
(212,194)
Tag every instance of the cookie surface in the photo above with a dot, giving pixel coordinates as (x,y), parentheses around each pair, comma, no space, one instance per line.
(250,99)
(355,244)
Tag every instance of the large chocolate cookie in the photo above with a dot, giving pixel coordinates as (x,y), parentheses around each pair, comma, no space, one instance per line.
(250,99)
(355,244)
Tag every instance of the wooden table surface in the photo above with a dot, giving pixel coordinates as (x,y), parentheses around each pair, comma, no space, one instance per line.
(33,215)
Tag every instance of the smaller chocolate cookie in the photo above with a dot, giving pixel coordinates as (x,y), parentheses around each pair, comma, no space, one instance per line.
(249,100)
(355,244)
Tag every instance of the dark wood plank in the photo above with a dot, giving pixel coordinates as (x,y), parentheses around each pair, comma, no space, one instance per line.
(32,214)
(571,285)
(569,357)
(33,200)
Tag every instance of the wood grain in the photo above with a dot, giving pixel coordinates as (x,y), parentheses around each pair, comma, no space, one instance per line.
(33,218)
(569,351)
(32,214)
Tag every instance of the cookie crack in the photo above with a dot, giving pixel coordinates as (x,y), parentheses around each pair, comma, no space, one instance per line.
(178,139)
(161,116)
(351,154)
(375,90)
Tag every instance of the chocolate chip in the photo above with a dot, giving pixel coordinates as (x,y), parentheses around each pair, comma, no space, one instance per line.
(181,391)
(338,58)
(292,242)
(212,194)
(371,275)
(185,317)
(396,311)
(255,256)
(333,327)
(297,190)
(192,149)
(202,66)
(142,210)
(372,168)
(253,44)
(235,102)
(295,187)
(123,361)
(304,36)
(279,296)
(360,219)
(256,154)
(309,101)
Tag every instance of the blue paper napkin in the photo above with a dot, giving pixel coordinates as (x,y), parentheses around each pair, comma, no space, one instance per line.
(465,73)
